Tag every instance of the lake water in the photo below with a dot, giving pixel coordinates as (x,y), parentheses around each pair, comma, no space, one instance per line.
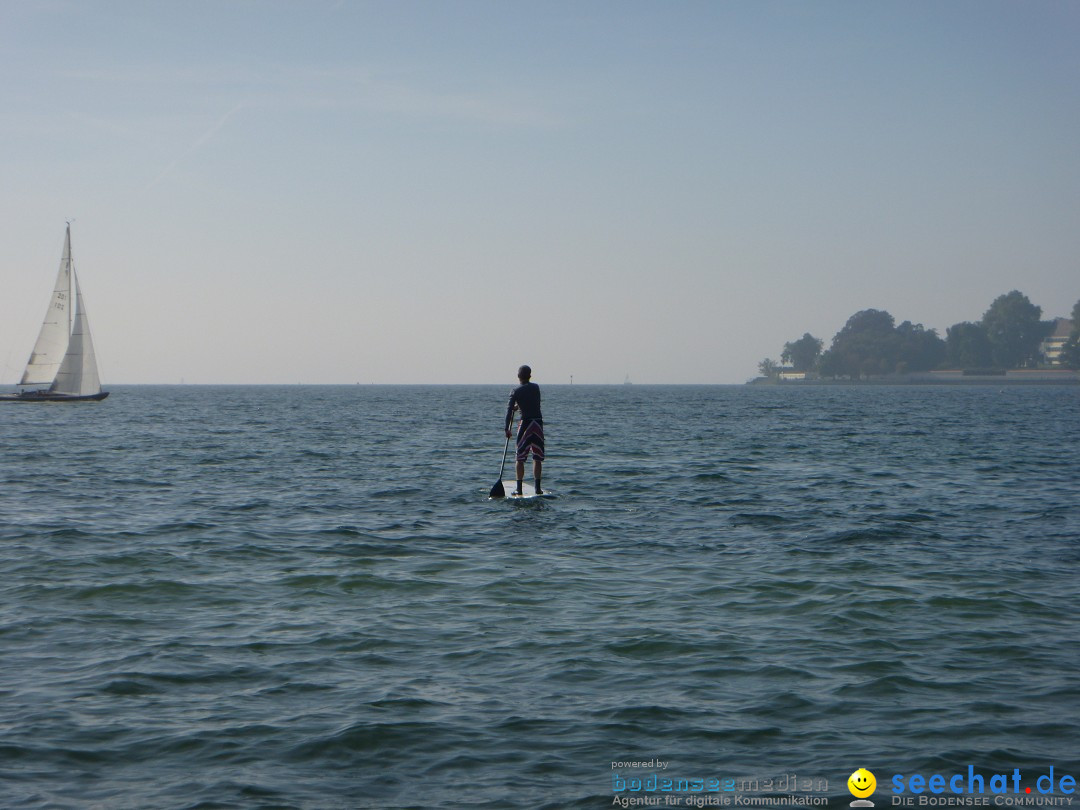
(301,597)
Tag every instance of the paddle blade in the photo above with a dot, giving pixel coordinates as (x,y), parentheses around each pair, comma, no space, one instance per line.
(498,491)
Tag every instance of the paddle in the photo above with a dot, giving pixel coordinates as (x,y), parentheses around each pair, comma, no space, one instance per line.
(498,491)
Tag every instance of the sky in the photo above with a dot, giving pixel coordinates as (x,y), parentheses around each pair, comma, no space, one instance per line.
(335,191)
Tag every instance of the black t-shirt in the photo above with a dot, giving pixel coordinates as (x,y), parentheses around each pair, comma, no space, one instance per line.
(527,398)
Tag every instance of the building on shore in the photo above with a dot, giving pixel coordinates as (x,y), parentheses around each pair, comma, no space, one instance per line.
(1053,344)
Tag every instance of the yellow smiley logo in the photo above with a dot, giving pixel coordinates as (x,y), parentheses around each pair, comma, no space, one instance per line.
(861,783)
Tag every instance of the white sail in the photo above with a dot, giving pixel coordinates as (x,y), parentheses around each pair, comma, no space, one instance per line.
(78,374)
(52,342)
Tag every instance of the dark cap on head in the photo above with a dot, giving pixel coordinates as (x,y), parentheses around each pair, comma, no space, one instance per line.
(524,373)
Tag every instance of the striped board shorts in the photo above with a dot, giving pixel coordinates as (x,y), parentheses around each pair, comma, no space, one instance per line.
(530,437)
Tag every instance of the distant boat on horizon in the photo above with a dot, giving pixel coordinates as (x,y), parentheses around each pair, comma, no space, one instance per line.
(627,380)
(63,356)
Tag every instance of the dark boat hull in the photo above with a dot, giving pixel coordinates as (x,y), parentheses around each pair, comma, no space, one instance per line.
(45,396)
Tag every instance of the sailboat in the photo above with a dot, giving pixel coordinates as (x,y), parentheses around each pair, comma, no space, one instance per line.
(63,357)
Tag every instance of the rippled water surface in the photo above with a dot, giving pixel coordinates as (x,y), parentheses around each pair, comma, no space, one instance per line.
(300,597)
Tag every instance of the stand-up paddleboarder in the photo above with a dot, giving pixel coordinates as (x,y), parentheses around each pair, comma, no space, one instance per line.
(530,436)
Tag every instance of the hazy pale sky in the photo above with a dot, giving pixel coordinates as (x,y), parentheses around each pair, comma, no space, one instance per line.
(411,192)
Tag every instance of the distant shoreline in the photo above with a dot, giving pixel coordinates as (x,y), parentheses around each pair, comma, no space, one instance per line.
(1016,377)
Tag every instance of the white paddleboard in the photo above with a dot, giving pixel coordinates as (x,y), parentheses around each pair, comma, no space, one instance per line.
(528,492)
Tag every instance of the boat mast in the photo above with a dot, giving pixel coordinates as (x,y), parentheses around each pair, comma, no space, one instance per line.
(71,281)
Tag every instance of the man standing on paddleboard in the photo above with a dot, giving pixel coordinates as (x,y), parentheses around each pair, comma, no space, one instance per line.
(526,398)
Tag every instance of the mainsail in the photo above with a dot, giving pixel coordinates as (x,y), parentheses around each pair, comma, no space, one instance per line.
(52,342)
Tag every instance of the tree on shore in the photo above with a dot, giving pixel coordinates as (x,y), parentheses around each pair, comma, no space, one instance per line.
(967,346)
(870,345)
(863,347)
(919,349)
(802,353)
(1014,328)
